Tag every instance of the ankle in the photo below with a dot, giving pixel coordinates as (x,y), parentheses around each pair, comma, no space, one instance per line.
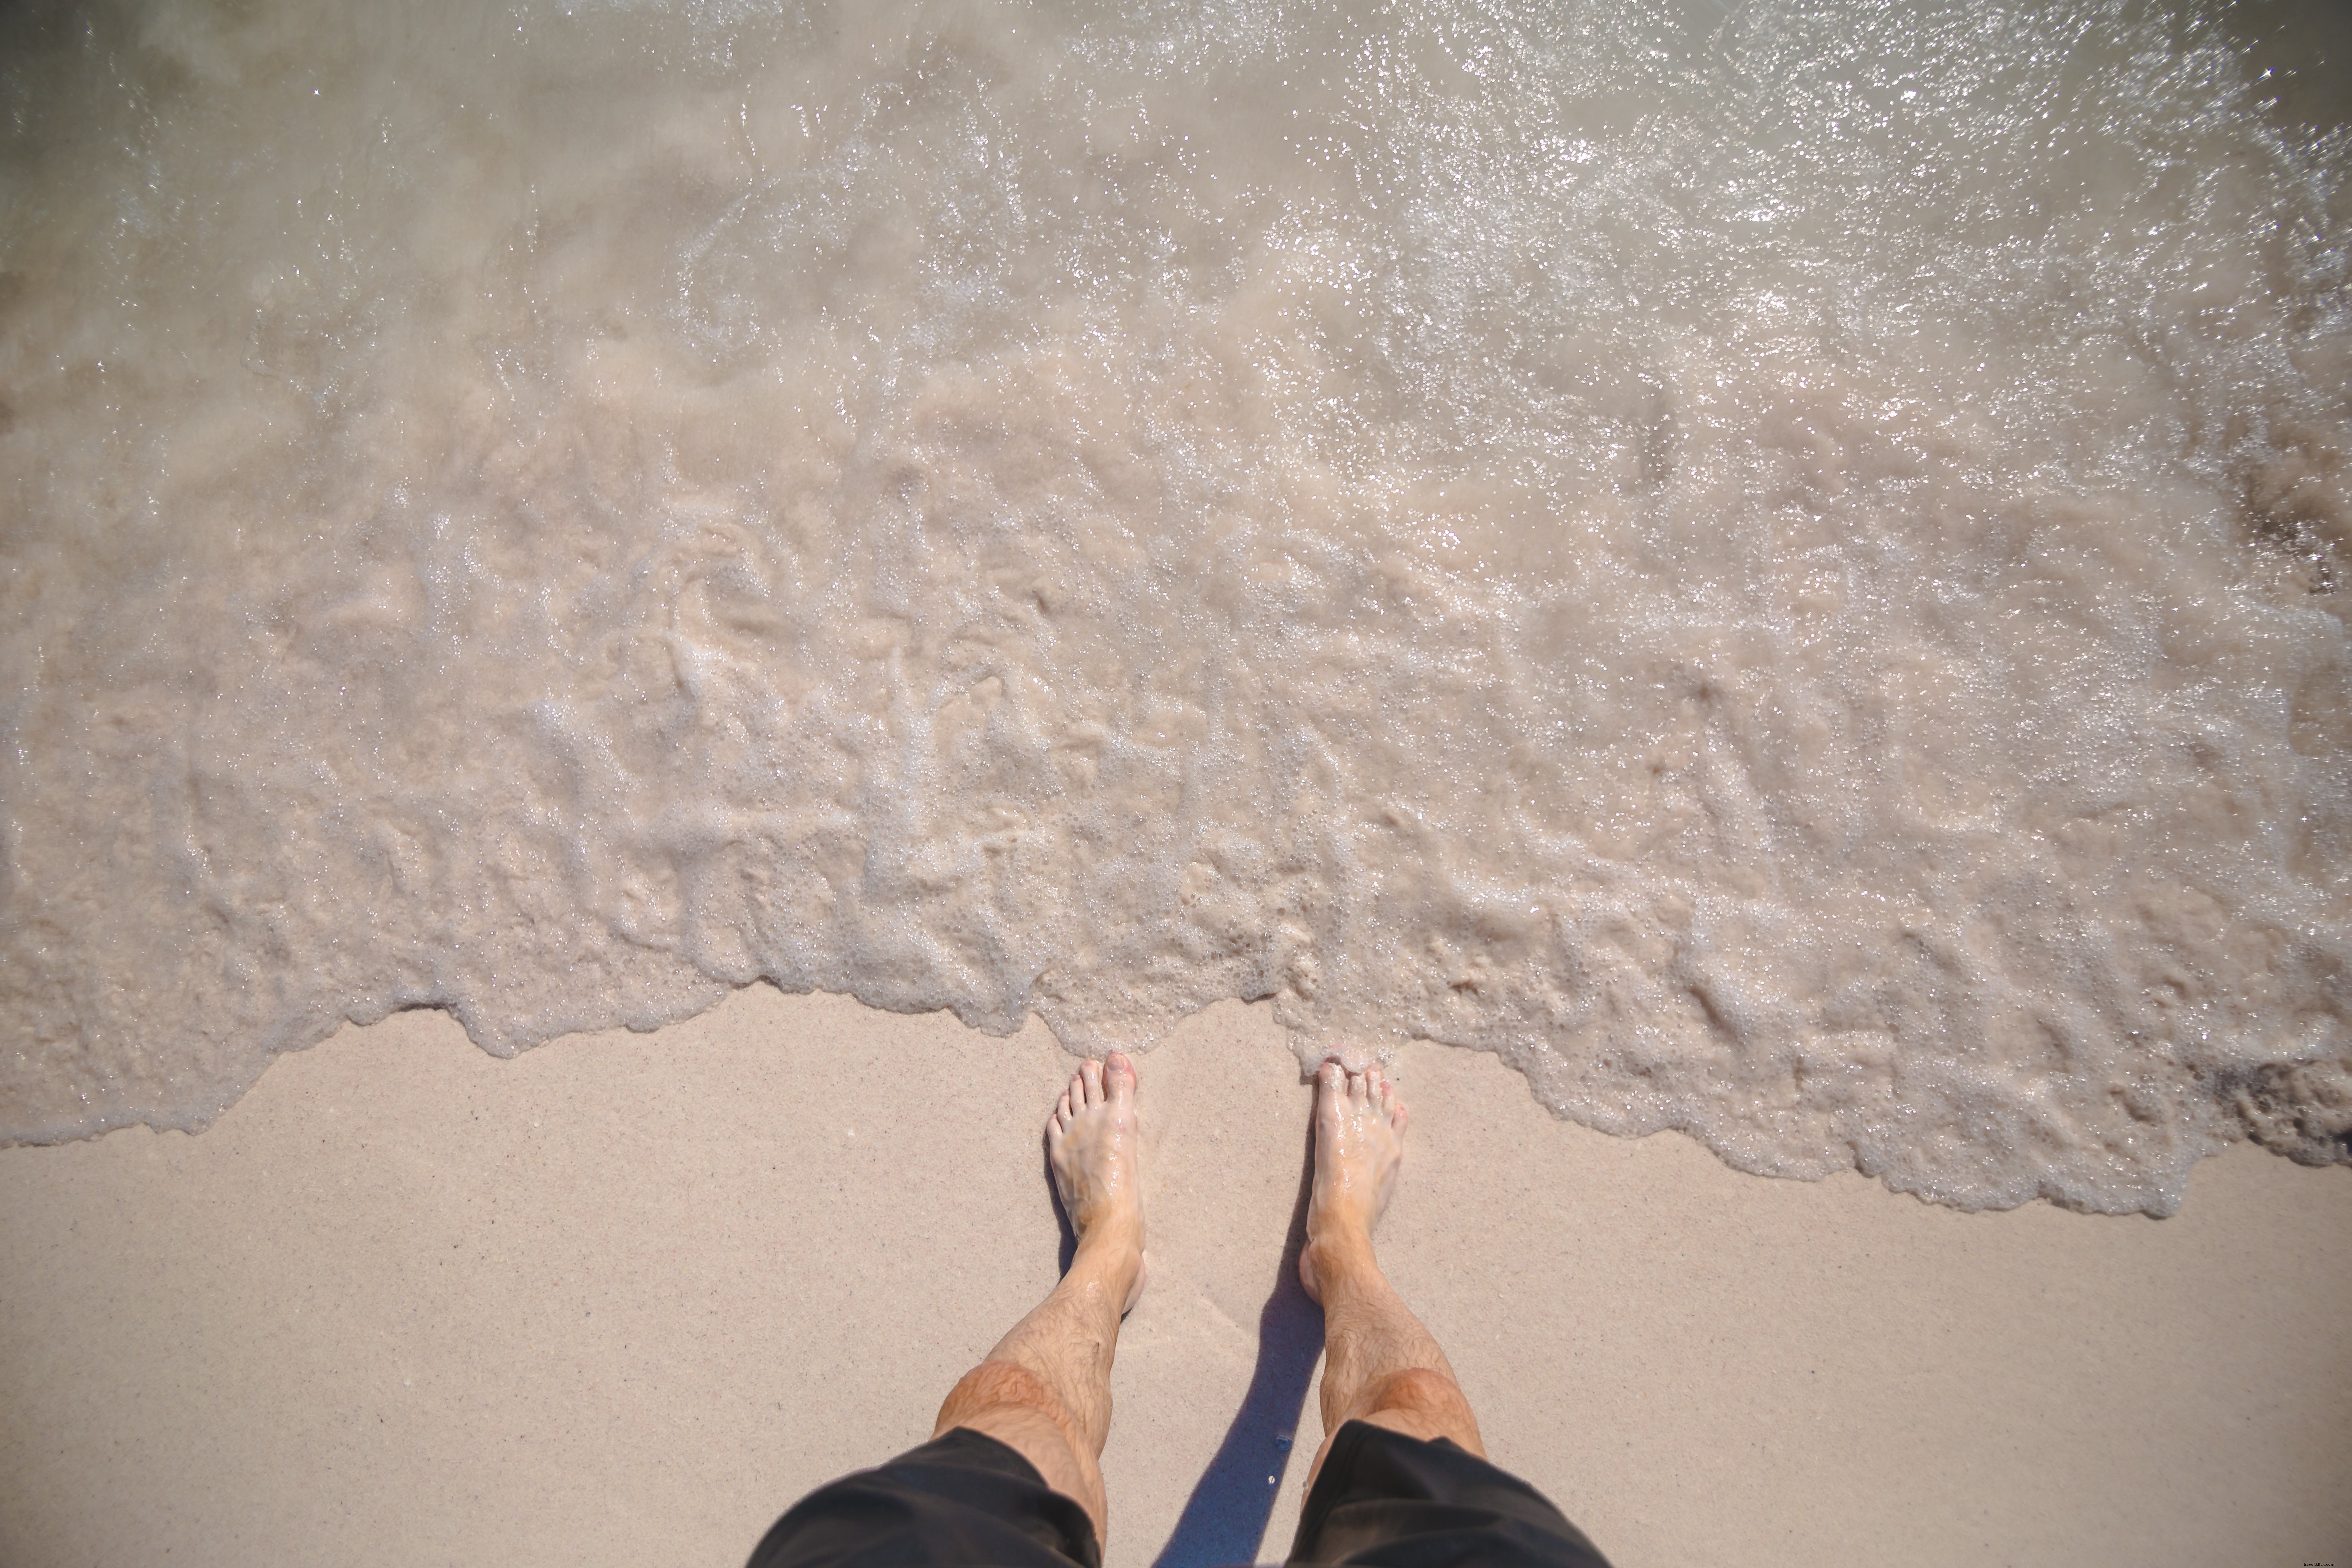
(1114,1242)
(1341,1256)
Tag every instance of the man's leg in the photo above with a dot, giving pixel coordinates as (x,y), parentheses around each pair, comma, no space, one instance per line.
(1401,1477)
(1044,1390)
(1380,1364)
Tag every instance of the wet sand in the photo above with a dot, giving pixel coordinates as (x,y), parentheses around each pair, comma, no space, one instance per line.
(625,1298)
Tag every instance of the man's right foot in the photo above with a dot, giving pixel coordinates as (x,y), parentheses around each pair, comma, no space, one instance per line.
(1359,1145)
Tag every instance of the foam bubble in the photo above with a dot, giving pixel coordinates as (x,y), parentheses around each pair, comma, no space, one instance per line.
(1784,574)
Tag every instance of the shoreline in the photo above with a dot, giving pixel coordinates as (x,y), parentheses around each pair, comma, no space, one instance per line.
(628,1296)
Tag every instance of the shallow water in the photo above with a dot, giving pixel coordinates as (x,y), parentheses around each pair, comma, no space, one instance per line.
(1781,568)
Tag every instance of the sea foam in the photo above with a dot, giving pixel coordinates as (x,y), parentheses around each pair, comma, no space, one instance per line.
(1783,570)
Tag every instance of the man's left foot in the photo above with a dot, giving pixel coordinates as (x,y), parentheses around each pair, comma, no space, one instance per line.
(1093,1142)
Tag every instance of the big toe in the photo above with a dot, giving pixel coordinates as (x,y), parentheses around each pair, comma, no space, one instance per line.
(1118,1078)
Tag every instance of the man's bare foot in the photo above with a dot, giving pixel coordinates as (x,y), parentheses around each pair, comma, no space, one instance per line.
(1092,1141)
(1359,1145)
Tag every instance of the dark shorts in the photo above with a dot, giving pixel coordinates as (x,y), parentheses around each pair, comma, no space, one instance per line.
(967,1500)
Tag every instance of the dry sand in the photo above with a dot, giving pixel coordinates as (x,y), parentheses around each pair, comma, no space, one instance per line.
(624,1298)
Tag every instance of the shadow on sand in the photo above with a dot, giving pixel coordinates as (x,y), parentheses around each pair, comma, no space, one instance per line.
(1224,1520)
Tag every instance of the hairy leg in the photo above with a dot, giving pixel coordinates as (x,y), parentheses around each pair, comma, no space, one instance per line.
(1379,1364)
(1044,1390)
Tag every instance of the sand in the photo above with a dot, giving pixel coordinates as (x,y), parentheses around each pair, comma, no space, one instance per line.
(622,1299)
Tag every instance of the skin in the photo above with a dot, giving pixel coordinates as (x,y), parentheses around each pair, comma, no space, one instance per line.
(1380,1364)
(1044,1390)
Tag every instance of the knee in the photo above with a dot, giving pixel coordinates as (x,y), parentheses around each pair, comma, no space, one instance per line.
(1420,1391)
(1419,1403)
(1422,1403)
(994,1385)
(1016,1407)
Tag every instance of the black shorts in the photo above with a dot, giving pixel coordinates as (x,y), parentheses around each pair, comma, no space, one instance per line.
(1384,1498)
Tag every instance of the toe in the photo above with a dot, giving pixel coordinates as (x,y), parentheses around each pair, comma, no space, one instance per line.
(1090,1078)
(1118,1077)
(1332,1076)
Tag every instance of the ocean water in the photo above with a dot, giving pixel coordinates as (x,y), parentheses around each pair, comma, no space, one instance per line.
(1782,566)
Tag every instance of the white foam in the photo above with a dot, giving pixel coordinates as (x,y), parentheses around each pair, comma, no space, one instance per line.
(1782,573)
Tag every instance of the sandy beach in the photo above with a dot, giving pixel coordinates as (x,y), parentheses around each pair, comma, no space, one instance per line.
(1783,568)
(625,1298)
